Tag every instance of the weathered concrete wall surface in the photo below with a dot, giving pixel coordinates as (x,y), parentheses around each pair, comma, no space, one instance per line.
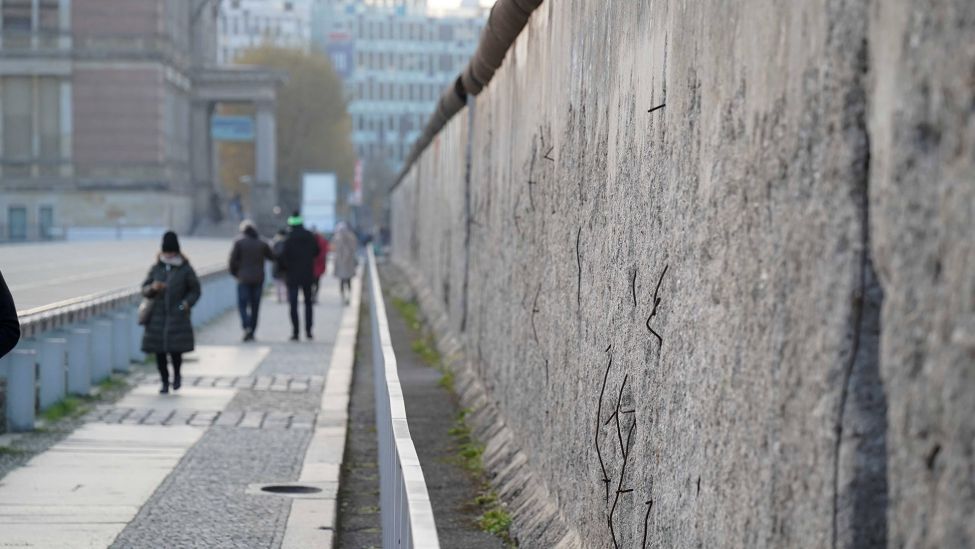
(746,318)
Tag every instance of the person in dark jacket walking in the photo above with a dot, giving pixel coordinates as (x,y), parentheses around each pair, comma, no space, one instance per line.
(174,289)
(247,266)
(298,260)
(9,325)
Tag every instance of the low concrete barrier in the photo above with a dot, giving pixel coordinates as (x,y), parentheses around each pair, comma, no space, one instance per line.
(69,346)
(407,516)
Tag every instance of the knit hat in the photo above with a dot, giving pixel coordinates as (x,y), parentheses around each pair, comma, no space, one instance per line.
(295,219)
(170,244)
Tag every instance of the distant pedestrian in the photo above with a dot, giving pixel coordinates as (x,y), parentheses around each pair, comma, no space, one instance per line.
(174,289)
(247,266)
(298,260)
(9,325)
(236,207)
(344,247)
(277,271)
(320,262)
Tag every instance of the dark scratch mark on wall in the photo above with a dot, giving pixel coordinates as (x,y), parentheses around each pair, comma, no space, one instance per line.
(633,284)
(548,154)
(599,416)
(646,522)
(656,303)
(658,107)
(619,485)
(579,266)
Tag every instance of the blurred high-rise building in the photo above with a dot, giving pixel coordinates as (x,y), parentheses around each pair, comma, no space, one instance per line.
(245,24)
(395,57)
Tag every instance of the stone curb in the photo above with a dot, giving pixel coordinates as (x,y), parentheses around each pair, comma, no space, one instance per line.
(312,521)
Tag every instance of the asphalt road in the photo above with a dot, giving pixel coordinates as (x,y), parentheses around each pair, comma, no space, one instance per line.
(46,273)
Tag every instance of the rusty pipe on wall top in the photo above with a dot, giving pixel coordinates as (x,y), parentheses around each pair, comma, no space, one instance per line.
(504,24)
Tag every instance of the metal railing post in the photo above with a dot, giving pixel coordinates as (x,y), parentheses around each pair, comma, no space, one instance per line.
(120,342)
(51,358)
(79,361)
(20,390)
(101,350)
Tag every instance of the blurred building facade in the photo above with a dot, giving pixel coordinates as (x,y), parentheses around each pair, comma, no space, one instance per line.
(395,57)
(245,24)
(96,113)
(105,111)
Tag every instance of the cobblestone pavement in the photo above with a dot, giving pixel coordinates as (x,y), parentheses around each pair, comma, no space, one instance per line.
(202,503)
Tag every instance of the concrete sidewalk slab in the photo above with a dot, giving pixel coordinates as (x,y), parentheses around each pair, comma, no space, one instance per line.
(187,398)
(85,489)
(224,360)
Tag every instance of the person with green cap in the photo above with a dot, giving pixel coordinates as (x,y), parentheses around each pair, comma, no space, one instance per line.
(298,261)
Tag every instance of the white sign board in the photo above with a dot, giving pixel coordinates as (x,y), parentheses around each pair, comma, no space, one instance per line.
(318,198)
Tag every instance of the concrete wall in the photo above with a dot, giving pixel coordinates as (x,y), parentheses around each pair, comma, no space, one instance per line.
(753,307)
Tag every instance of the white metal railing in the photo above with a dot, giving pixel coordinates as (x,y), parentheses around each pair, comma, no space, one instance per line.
(406,513)
(67,347)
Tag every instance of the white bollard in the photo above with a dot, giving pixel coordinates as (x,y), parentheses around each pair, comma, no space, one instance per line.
(120,342)
(135,338)
(101,350)
(79,361)
(20,391)
(51,359)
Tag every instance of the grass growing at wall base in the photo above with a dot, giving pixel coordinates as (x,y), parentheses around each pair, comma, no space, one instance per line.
(494,518)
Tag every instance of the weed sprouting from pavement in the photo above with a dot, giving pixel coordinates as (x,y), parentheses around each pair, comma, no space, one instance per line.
(410,312)
(71,406)
(494,518)
(11,451)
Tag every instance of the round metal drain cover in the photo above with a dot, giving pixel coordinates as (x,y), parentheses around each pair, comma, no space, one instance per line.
(290,489)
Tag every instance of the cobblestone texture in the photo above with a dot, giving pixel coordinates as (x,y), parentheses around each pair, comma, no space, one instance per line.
(283,418)
(306,402)
(203,502)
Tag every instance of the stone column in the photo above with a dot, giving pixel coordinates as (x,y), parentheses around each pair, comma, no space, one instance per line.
(201,169)
(264,195)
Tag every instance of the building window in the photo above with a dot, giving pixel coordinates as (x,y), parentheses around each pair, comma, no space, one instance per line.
(31,125)
(16,23)
(45,222)
(17,223)
(49,124)
(47,19)
(18,125)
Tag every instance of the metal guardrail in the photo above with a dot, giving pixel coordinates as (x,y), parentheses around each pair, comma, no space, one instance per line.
(67,347)
(406,513)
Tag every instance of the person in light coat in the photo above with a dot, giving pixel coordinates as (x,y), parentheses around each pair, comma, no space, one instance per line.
(344,247)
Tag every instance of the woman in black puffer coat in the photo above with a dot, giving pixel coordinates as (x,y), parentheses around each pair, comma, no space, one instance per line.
(174,288)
